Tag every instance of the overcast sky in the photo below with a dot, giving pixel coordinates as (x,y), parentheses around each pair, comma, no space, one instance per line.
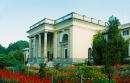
(17,15)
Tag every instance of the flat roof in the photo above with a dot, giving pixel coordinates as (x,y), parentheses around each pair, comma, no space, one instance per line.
(68,16)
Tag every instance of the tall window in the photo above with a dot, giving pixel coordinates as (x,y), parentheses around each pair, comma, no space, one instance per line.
(126,32)
(89,54)
(65,53)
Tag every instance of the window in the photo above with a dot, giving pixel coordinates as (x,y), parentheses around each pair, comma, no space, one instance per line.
(65,38)
(89,54)
(65,53)
(106,37)
(126,32)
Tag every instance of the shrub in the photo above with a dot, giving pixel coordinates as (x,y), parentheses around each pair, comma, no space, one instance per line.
(8,81)
(6,60)
(19,56)
(42,70)
(32,71)
(12,69)
(80,64)
(57,65)
(21,68)
(3,61)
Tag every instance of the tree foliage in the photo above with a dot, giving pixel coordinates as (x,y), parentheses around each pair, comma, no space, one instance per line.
(19,45)
(12,55)
(6,60)
(18,55)
(98,48)
(114,49)
(2,50)
(116,44)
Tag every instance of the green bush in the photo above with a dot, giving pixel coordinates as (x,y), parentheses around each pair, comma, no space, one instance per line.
(3,61)
(1,80)
(18,55)
(126,61)
(11,68)
(22,68)
(32,71)
(80,64)
(6,60)
(8,81)
(42,72)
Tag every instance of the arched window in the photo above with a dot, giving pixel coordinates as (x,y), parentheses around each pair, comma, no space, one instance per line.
(65,38)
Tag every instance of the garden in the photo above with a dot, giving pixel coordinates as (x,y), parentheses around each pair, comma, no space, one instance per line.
(65,74)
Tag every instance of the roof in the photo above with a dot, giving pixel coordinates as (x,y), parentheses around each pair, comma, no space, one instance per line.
(125,26)
(68,16)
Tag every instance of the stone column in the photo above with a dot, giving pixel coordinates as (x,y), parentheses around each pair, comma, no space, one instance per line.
(30,48)
(34,47)
(55,45)
(39,50)
(45,47)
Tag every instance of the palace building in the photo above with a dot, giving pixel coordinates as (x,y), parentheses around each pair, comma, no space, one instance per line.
(67,39)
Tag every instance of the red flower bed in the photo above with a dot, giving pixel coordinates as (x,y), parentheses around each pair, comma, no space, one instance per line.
(117,67)
(122,80)
(25,78)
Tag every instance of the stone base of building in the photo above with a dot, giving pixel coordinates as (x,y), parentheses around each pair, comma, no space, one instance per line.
(61,61)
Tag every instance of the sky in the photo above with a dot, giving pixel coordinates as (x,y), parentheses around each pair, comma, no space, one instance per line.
(16,16)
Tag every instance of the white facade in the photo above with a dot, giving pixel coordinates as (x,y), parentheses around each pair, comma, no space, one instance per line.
(66,39)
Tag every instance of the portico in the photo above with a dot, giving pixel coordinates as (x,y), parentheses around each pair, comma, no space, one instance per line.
(41,46)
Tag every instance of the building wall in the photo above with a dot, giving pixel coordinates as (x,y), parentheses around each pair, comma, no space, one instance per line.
(60,48)
(125,36)
(82,35)
(61,29)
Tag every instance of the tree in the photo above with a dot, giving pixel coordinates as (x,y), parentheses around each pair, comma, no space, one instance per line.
(115,42)
(6,60)
(19,56)
(12,47)
(98,48)
(22,44)
(113,49)
(2,50)
(19,45)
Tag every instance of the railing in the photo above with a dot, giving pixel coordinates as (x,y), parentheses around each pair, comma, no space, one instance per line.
(64,18)
(45,20)
(81,17)
(71,15)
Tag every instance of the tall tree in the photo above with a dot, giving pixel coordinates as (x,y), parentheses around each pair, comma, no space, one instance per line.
(115,42)
(113,49)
